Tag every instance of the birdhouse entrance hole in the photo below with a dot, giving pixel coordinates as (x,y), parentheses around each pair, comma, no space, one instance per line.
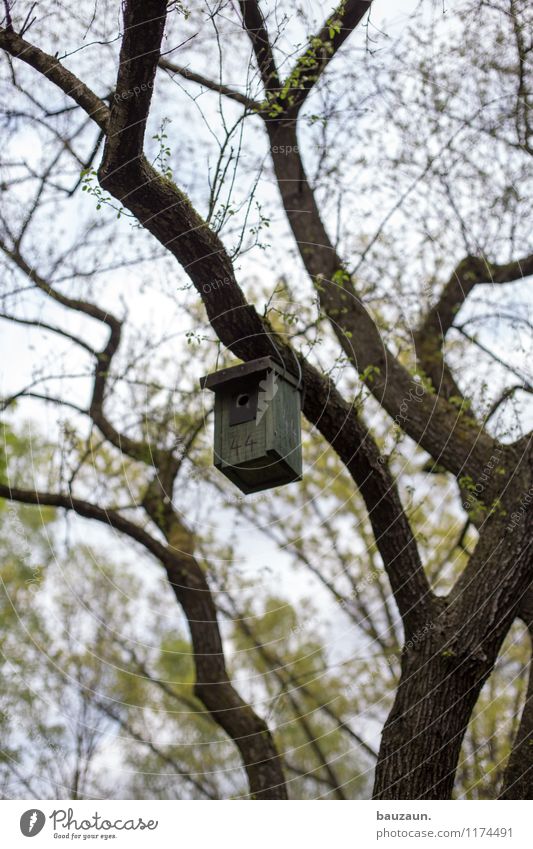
(244,406)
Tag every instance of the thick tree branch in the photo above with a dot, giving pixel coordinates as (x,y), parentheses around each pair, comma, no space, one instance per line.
(290,685)
(301,717)
(213,686)
(483,602)
(219,88)
(85,307)
(518,778)
(451,437)
(39,396)
(453,440)
(487,596)
(493,356)
(430,336)
(107,515)
(290,95)
(321,50)
(52,69)
(164,211)
(42,325)
(506,394)
(255,25)
(137,450)
(169,216)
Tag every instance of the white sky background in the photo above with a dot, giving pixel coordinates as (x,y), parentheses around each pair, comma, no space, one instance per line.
(19,347)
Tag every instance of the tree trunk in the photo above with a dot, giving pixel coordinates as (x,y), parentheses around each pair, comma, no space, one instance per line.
(213,686)
(518,778)
(424,732)
(446,663)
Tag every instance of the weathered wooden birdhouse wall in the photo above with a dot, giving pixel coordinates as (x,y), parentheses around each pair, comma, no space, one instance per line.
(257,424)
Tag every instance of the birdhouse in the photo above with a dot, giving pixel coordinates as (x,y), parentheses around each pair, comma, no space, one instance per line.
(257,424)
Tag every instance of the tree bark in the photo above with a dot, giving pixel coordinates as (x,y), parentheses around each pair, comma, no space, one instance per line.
(423,734)
(444,668)
(518,778)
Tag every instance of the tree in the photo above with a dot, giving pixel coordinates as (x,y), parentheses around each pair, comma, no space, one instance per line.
(101,677)
(98,694)
(451,642)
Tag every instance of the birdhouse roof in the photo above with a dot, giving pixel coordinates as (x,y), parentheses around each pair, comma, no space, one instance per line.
(230,378)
